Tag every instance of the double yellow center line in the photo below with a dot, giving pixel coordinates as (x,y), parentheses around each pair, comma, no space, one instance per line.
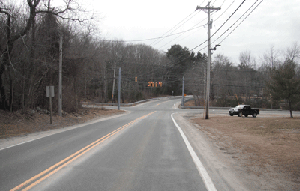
(55,168)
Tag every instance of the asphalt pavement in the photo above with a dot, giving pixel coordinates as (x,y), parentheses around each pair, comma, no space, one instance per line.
(142,150)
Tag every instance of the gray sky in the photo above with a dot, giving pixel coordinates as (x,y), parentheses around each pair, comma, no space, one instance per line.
(273,23)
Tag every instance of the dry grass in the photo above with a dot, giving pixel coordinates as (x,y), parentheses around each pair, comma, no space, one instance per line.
(267,142)
(15,124)
(260,126)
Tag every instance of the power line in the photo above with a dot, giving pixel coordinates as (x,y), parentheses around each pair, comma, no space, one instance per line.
(224,10)
(155,38)
(181,34)
(222,3)
(238,20)
(232,25)
(176,26)
(228,18)
(171,30)
(216,19)
(198,25)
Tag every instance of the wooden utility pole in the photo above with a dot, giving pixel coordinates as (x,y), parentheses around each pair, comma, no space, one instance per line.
(113,87)
(209,23)
(182,99)
(59,75)
(119,89)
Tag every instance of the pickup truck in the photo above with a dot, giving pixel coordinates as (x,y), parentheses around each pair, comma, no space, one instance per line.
(245,110)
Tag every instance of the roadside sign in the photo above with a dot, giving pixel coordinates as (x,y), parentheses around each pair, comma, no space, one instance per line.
(48,90)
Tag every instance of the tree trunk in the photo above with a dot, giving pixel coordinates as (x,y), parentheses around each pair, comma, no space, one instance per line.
(5,61)
(11,96)
(105,84)
(2,92)
(23,89)
(290,108)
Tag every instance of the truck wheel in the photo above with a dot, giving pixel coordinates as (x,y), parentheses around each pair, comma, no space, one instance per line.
(246,115)
(254,115)
(240,114)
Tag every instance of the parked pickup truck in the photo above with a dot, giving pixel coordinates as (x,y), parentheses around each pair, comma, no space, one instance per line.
(245,110)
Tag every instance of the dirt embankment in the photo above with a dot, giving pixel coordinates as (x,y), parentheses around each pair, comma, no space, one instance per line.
(15,124)
(266,147)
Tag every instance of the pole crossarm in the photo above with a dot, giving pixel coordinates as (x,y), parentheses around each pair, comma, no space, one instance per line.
(208,8)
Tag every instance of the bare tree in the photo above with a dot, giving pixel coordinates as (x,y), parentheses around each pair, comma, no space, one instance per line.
(35,7)
(293,52)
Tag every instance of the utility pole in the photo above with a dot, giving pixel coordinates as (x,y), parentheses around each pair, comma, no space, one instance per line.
(119,88)
(113,87)
(59,74)
(182,100)
(209,23)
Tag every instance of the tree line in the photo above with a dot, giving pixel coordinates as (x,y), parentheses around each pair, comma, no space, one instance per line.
(29,45)
(30,52)
(273,82)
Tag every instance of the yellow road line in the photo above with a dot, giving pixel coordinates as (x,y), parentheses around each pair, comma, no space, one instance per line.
(55,168)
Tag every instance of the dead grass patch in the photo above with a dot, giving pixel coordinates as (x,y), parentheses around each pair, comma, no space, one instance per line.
(15,124)
(266,143)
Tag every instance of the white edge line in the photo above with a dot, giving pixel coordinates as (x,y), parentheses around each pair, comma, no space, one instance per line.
(203,173)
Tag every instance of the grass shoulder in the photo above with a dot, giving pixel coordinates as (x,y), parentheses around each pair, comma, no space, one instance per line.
(18,123)
(262,143)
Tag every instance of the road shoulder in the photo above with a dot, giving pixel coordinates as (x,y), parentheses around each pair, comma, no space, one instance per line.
(226,172)
(18,140)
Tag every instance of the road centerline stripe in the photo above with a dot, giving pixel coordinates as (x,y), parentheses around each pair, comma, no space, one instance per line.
(56,167)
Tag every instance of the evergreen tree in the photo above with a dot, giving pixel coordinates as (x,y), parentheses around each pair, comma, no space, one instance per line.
(285,84)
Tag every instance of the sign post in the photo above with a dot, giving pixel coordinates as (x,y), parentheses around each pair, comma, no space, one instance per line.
(50,94)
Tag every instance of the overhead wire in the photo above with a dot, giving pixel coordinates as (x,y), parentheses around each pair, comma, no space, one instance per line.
(238,20)
(198,25)
(231,25)
(234,24)
(140,40)
(176,26)
(165,35)
(242,20)
(225,10)
(223,3)
(228,18)
(195,27)
(216,19)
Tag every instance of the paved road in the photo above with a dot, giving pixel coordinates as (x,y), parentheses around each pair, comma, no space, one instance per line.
(142,150)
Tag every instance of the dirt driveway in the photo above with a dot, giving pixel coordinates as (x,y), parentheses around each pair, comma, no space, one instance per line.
(267,149)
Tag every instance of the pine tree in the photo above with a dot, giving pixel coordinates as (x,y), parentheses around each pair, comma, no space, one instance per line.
(285,84)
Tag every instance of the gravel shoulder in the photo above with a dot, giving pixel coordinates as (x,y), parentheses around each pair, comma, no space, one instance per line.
(243,157)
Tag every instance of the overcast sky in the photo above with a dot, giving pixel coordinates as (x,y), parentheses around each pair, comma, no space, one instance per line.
(273,23)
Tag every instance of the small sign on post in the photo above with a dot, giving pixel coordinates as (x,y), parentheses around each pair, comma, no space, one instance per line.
(50,94)
(48,90)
